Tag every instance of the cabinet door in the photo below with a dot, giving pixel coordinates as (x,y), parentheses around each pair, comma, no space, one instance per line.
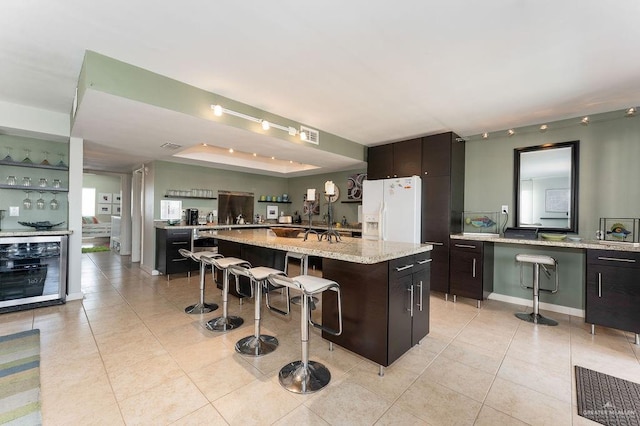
(421,288)
(407,158)
(436,155)
(436,209)
(400,321)
(380,162)
(613,297)
(465,266)
(439,280)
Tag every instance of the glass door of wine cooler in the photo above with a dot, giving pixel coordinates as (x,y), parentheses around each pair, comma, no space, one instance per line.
(33,271)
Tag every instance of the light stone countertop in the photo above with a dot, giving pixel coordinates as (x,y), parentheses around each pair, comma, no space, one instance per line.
(349,249)
(582,244)
(164,225)
(33,233)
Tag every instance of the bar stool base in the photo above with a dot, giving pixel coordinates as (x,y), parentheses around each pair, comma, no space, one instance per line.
(297,300)
(536,318)
(256,346)
(224,323)
(295,378)
(201,308)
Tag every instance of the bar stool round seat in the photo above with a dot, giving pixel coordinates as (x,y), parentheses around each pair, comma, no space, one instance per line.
(201,307)
(304,269)
(537,260)
(257,344)
(225,322)
(305,376)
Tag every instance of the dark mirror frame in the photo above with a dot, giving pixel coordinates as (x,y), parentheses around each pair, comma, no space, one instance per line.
(573,202)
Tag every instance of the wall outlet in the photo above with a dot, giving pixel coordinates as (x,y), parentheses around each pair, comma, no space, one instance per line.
(14,211)
(504,209)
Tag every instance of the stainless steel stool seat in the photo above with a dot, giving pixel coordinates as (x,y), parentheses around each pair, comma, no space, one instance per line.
(305,376)
(257,344)
(226,321)
(537,261)
(201,307)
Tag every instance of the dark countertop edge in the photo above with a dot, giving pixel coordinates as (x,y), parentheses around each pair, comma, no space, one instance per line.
(582,244)
(20,233)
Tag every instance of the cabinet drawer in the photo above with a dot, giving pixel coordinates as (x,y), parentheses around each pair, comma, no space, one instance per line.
(618,259)
(401,267)
(467,246)
(179,234)
(421,261)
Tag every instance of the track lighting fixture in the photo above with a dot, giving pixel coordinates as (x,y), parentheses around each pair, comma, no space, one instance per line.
(485,135)
(631,112)
(584,121)
(544,128)
(510,132)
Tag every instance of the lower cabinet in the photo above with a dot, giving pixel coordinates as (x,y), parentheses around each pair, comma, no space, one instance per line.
(471,269)
(613,289)
(168,259)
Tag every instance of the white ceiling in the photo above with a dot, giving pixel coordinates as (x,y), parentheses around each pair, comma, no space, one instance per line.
(371,72)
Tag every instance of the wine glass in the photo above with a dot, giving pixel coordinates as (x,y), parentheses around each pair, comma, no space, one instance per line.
(45,162)
(40,202)
(26,203)
(27,159)
(54,203)
(26,181)
(8,157)
(42,183)
(11,180)
(61,162)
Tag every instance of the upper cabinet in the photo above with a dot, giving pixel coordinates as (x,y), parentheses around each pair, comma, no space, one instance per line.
(398,159)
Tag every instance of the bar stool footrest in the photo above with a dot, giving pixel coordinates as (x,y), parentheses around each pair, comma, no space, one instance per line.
(201,308)
(536,318)
(295,378)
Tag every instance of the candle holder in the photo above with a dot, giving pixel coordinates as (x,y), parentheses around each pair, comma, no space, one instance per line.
(330,232)
(309,205)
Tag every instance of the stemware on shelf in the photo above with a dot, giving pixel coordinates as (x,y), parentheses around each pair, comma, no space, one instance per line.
(27,159)
(40,202)
(8,156)
(54,203)
(26,203)
(42,183)
(61,162)
(56,183)
(11,180)
(45,162)
(26,181)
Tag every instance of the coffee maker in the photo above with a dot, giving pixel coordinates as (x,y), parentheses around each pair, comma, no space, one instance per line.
(191,216)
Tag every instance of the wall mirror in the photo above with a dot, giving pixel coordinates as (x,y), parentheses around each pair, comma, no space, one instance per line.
(546,187)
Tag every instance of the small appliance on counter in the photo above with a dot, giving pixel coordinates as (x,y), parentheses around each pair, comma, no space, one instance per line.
(191,216)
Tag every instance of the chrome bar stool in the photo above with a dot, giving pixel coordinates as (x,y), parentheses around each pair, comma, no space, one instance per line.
(257,344)
(305,376)
(201,307)
(537,261)
(226,321)
(304,269)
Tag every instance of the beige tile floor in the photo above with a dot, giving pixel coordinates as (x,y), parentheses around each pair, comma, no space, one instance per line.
(128,354)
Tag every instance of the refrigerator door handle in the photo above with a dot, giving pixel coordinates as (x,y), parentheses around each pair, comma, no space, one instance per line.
(383,221)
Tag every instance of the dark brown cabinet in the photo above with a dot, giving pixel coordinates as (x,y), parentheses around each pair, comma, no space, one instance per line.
(400,159)
(168,259)
(442,174)
(471,269)
(613,289)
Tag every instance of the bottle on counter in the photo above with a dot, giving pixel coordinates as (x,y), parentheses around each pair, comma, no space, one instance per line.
(344,221)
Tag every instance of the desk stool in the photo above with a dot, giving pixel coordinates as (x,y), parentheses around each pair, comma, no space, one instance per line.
(225,322)
(257,344)
(537,261)
(201,307)
(305,376)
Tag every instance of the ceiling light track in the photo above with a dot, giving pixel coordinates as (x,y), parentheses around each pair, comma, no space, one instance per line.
(218,110)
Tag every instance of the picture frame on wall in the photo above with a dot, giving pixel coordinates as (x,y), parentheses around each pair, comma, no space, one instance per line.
(116,209)
(105,197)
(272,212)
(116,199)
(104,208)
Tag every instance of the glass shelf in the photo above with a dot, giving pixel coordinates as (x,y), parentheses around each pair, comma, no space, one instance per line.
(33,188)
(351,201)
(33,165)
(276,202)
(190,197)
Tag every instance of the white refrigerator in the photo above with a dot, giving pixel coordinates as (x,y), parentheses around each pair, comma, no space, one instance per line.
(391,209)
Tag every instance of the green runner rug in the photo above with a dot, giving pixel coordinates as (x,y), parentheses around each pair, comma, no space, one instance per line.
(20,378)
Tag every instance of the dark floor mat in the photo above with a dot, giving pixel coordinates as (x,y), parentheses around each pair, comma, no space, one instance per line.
(606,399)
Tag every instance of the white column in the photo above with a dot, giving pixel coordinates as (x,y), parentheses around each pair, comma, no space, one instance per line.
(76,159)
(125,215)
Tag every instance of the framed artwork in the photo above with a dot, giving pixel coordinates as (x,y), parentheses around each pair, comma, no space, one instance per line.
(104,208)
(116,209)
(116,198)
(104,197)
(557,200)
(272,212)
(354,186)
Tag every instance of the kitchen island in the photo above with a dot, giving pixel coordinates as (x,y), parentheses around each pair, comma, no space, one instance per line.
(385,286)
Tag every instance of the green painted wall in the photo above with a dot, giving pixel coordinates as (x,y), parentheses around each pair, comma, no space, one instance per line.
(608,187)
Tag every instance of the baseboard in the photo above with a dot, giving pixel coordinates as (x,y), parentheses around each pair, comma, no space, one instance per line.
(546,306)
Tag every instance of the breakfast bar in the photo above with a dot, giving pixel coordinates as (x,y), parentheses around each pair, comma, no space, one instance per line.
(385,285)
